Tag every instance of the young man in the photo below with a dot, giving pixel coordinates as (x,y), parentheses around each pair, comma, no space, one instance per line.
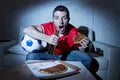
(63,41)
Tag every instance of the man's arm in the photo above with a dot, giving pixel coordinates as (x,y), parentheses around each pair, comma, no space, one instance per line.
(36,32)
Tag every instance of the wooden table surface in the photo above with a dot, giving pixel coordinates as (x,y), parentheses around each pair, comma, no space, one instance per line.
(24,73)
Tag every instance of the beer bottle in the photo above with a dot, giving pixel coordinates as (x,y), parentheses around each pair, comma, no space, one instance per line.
(52,47)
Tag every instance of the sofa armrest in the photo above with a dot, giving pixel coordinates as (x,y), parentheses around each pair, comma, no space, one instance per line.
(5,45)
(106,49)
(112,53)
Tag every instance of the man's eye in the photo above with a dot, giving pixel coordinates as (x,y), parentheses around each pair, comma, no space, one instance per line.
(65,18)
(56,17)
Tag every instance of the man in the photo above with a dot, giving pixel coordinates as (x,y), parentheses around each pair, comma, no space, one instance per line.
(63,41)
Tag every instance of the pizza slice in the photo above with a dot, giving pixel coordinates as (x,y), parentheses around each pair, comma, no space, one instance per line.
(78,38)
(59,68)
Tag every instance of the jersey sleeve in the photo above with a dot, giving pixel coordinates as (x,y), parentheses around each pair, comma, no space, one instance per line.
(48,28)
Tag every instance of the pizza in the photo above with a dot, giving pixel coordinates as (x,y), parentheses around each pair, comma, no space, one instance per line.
(59,68)
(78,37)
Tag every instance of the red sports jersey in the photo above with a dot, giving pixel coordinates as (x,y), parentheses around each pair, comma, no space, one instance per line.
(65,42)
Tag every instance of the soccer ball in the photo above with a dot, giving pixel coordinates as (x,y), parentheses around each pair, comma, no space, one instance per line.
(31,45)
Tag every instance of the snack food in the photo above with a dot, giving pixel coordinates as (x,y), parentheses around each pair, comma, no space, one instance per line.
(78,38)
(59,68)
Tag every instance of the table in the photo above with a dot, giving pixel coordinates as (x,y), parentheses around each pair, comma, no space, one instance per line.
(24,73)
(83,74)
(17,73)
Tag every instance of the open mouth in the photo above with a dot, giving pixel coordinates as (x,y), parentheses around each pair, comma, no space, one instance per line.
(61,27)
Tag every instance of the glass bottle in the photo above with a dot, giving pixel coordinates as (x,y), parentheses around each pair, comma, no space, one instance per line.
(52,47)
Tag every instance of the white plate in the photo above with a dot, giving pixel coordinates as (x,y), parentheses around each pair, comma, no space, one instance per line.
(35,67)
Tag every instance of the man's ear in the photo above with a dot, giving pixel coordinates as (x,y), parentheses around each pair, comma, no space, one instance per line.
(68,19)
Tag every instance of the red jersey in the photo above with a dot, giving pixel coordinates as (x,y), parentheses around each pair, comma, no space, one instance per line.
(65,42)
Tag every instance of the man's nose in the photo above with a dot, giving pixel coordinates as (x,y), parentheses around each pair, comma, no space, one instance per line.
(61,21)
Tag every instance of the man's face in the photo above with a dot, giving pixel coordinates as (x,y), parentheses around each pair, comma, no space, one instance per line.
(60,20)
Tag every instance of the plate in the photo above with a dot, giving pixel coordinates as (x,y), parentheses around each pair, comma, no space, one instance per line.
(36,66)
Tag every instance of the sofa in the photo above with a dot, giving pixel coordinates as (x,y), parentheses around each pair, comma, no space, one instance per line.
(105,55)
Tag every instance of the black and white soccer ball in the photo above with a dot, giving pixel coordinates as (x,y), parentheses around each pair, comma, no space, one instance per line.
(31,45)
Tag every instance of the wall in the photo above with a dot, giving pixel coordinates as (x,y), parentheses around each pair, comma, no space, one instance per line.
(99,15)
(106,22)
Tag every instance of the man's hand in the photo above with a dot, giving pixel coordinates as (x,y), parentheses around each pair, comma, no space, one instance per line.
(81,40)
(53,39)
(84,43)
(78,38)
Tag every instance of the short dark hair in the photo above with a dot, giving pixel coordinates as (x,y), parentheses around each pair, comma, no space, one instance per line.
(61,8)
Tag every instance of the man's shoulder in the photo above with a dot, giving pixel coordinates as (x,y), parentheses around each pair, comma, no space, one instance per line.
(48,28)
(72,28)
(47,23)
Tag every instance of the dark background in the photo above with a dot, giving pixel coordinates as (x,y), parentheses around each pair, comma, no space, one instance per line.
(103,16)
